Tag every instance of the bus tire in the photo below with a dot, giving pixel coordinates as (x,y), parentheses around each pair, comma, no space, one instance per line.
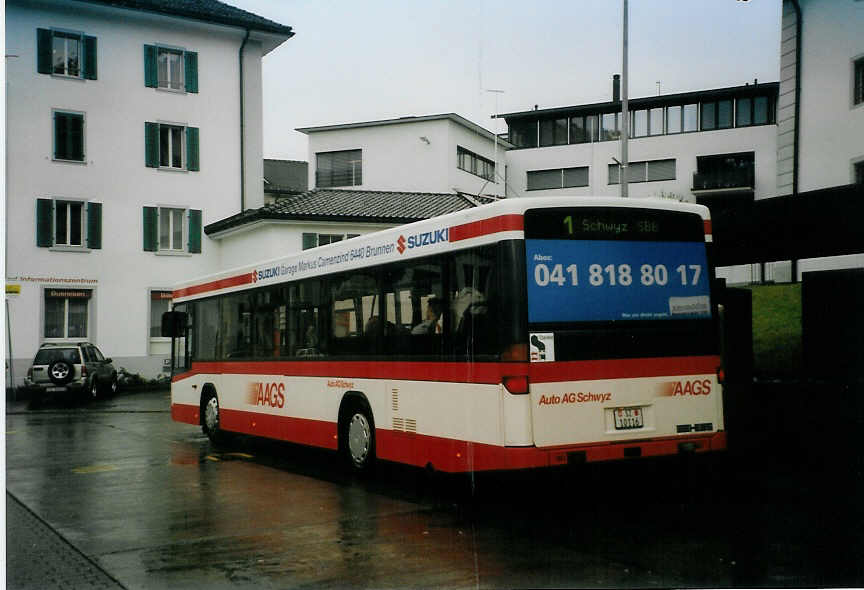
(210,418)
(357,436)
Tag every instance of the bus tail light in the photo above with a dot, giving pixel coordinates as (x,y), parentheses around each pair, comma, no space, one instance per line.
(516,384)
(515,352)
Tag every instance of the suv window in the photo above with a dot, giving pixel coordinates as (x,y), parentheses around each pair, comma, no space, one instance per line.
(87,353)
(46,356)
(97,356)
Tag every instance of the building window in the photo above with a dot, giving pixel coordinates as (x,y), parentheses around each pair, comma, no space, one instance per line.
(66,313)
(68,224)
(344,168)
(690,118)
(553,132)
(68,136)
(752,111)
(171,146)
(160,302)
(523,134)
(648,171)
(557,178)
(640,123)
(170,68)
(655,121)
(475,164)
(583,129)
(858,81)
(66,53)
(716,115)
(312,240)
(172,230)
(725,171)
(609,129)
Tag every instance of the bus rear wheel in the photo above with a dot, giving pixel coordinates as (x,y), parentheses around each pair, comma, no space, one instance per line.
(210,418)
(358,438)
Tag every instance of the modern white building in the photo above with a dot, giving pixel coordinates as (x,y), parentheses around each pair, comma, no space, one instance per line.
(707,146)
(433,153)
(130,125)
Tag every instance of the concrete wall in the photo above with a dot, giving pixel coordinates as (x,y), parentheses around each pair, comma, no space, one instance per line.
(831,127)
(116,106)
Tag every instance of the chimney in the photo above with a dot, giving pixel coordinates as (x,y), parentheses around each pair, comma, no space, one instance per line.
(616,87)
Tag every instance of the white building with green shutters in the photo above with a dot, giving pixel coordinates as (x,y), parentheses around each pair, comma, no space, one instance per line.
(130,125)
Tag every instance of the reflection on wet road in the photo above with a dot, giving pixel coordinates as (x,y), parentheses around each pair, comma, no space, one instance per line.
(157,506)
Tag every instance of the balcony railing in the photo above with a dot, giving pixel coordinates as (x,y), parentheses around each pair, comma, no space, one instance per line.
(737,178)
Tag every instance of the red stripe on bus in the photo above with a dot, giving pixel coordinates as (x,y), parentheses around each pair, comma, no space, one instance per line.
(484,227)
(449,455)
(243,279)
(464,372)
(622,368)
(707,224)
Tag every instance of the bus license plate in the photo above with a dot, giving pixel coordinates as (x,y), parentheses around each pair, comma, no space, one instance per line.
(628,418)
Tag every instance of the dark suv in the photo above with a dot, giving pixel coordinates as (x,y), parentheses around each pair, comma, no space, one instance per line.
(77,368)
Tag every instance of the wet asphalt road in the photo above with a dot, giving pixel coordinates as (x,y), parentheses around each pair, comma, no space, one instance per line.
(155,505)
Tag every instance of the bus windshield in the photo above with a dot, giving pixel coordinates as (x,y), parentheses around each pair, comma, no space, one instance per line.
(619,282)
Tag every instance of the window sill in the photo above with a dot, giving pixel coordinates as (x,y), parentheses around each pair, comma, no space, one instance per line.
(68,77)
(172,253)
(172,169)
(77,249)
(171,90)
(62,161)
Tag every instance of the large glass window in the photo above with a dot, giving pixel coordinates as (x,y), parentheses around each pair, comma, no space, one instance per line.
(553,132)
(609,129)
(691,117)
(160,302)
(66,313)
(343,168)
(647,171)
(356,324)
(640,123)
(744,112)
(583,129)
(655,121)
(235,325)
(523,133)
(171,146)
(673,119)
(709,116)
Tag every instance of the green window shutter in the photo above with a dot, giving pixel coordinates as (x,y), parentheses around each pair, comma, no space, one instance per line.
(310,241)
(44,225)
(94,225)
(151,144)
(43,51)
(90,58)
(151,237)
(151,75)
(195,231)
(192,163)
(191,70)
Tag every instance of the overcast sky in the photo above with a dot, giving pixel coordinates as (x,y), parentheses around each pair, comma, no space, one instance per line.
(356,61)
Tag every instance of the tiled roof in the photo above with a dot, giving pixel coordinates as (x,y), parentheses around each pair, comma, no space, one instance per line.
(354,206)
(211,11)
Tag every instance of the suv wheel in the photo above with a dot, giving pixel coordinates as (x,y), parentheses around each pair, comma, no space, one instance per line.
(94,388)
(61,372)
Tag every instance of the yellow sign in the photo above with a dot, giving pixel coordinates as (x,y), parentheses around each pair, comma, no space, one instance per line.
(10,289)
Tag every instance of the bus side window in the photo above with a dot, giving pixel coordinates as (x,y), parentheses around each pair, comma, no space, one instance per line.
(413,294)
(306,335)
(474,330)
(355,322)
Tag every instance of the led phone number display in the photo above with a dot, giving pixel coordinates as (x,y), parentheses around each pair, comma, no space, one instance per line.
(615,275)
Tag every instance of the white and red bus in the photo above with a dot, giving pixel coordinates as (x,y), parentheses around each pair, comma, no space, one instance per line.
(523,333)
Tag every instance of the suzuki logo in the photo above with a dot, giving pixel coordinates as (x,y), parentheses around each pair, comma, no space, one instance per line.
(400,244)
(254,276)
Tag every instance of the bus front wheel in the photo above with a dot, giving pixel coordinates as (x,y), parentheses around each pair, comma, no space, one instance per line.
(358,438)
(210,417)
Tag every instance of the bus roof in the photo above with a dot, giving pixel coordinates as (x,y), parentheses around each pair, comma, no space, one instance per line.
(480,225)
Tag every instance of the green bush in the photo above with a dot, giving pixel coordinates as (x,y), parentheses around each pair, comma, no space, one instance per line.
(777,331)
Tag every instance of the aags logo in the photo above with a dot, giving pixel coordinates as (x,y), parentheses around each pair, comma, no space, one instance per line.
(682,388)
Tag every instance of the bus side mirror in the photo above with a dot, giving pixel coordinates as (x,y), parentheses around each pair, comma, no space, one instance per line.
(174,323)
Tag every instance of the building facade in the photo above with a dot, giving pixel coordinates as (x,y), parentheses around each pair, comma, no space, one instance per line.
(124,134)
(433,153)
(705,146)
